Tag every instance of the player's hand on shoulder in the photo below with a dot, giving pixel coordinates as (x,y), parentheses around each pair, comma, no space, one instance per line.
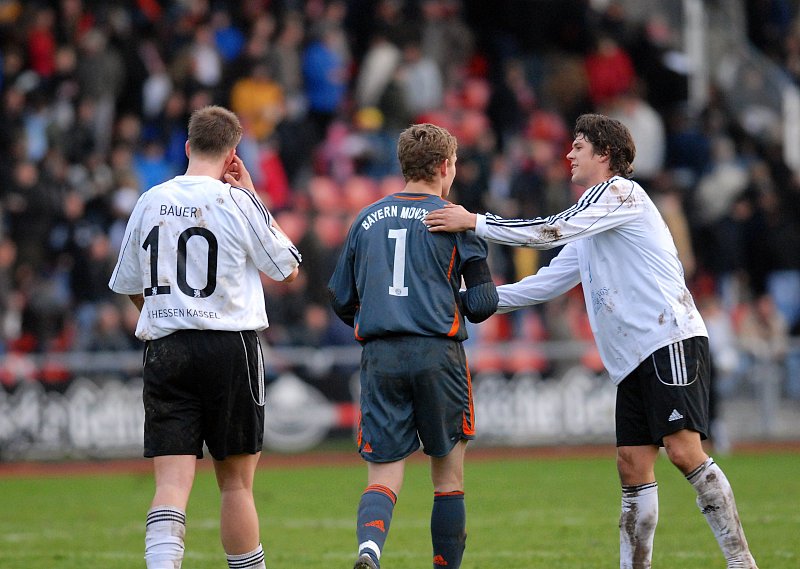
(451,218)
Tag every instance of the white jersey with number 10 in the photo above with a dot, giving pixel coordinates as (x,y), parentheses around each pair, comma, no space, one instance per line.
(194,247)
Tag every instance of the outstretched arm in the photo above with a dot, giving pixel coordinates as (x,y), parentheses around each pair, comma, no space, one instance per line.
(549,282)
(602,207)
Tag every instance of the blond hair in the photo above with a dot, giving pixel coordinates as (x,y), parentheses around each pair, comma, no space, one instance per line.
(421,148)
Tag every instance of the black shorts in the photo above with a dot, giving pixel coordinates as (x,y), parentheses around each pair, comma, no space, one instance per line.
(668,392)
(413,388)
(203,386)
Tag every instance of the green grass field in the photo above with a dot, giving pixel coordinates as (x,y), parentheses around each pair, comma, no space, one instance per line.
(522,514)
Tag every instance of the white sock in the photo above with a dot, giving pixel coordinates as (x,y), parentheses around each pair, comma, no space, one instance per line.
(716,502)
(637,525)
(163,538)
(252,560)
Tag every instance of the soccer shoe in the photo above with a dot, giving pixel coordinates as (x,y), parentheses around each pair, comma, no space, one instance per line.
(365,562)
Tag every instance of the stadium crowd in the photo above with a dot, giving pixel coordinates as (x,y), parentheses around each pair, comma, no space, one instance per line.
(96,96)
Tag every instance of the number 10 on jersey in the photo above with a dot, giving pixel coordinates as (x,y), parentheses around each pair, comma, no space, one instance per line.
(183,242)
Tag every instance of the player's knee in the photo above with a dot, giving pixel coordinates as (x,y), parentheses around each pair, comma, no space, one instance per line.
(635,466)
(684,457)
(626,466)
(448,480)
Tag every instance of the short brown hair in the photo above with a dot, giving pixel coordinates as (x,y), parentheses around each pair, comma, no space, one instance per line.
(611,138)
(421,148)
(213,130)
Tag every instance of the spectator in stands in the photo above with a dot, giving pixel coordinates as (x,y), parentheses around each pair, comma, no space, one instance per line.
(325,75)
(725,364)
(660,61)
(422,80)
(259,100)
(100,75)
(108,333)
(42,42)
(9,316)
(609,70)
(763,334)
(648,131)
(446,39)
(31,207)
(205,60)
(377,69)
(228,38)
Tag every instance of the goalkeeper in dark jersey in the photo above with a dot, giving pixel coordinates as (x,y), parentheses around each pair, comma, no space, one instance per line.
(399,286)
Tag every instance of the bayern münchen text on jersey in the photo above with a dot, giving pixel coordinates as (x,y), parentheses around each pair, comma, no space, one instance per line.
(404,212)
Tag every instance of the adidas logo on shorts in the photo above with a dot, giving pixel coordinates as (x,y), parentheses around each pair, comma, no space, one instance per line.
(674,416)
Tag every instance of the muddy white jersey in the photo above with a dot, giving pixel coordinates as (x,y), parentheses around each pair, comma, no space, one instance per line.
(617,245)
(194,247)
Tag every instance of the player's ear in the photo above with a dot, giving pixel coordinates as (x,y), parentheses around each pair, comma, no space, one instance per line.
(186,149)
(229,157)
(604,157)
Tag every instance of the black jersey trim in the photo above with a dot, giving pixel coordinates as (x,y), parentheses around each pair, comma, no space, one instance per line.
(267,221)
(122,256)
(584,204)
(592,197)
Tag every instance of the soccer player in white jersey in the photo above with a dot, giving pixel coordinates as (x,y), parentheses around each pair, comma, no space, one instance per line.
(190,262)
(651,338)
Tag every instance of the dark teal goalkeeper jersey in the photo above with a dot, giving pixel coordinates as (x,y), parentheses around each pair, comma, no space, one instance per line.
(395,277)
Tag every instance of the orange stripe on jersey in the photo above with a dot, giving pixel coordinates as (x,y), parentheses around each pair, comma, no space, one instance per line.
(452,262)
(359,436)
(355,333)
(381,489)
(411,198)
(468,422)
(454,327)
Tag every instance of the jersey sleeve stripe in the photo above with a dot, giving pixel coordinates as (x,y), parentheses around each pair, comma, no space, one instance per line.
(592,197)
(119,264)
(256,202)
(266,216)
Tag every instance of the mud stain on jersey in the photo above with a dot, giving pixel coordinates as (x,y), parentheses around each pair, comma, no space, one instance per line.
(623,196)
(686,300)
(601,299)
(550,234)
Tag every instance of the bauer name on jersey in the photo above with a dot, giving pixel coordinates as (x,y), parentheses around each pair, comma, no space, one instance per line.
(617,244)
(194,247)
(404,279)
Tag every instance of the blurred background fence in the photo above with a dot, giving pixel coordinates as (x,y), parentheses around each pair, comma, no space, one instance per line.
(88,405)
